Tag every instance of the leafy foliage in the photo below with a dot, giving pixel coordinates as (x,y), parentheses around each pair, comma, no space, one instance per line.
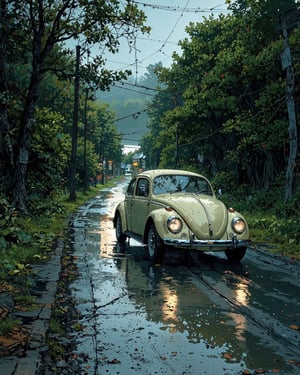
(222,108)
(7,221)
(34,49)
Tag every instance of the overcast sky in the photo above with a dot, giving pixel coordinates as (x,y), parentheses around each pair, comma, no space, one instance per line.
(168,19)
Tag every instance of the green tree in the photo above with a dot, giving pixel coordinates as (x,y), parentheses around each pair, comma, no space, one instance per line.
(49,157)
(193,114)
(160,136)
(33,34)
(268,18)
(230,112)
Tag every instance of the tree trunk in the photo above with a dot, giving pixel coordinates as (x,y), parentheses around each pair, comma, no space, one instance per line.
(268,171)
(26,124)
(6,152)
(292,128)
(72,179)
(20,192)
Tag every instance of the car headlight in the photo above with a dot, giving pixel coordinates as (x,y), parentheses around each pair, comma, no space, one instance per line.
(238,225)
(174,224)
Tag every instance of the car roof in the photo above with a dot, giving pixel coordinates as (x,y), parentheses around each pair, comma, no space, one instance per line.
(151,173)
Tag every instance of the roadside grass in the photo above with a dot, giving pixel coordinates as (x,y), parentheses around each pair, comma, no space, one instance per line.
(32,240)
(274,225)
(274,234)
(7,325)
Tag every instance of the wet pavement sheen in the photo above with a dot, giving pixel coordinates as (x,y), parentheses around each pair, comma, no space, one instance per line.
(194,314)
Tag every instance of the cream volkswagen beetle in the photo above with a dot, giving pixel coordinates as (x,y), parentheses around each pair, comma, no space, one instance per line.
(168,208)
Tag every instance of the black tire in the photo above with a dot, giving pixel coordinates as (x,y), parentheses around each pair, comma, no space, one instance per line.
(121,237)
(235,255)
(156,250)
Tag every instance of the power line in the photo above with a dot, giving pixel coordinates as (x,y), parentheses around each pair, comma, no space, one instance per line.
(130,139)
(171,32)
(171,8)
(174,8)
(155,40)
(139,86)
(173,29)
(133,115)
(138,92)
(131,133)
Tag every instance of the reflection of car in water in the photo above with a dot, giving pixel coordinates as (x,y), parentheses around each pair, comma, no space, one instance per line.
(170,299)
(174,208)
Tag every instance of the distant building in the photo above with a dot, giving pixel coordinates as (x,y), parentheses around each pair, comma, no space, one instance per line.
(139,162)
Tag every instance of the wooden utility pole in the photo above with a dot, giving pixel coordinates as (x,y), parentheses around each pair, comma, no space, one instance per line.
(72,178)
(292,128)
(85,176)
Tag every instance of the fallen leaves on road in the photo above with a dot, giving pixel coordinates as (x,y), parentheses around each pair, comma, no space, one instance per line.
(113,362)
(227,355)
(14,342)
(260,371)
(294,362)
(6,288)
(3,313)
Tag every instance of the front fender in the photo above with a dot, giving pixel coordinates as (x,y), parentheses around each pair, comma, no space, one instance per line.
(120,209)
(159,217)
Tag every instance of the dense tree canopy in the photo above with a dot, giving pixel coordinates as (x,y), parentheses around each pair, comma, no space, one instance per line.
(220,109)
(35,47)
(222,106)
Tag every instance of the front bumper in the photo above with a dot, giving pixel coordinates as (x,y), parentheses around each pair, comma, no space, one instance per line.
(207,244)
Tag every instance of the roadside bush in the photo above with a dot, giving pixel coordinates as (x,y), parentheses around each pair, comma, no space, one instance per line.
(270,219)
(264,200)
(224,181)
(7,222)
(39,205)
(290,208)
(278,230)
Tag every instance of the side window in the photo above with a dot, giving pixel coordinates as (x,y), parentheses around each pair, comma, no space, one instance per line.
(130,188)
(142,189)
(160,184)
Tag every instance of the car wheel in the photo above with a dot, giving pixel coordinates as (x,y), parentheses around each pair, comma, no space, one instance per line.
(121,237)
(156,250)
(235,255)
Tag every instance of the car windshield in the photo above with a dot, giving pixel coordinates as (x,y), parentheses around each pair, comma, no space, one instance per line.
(180,183)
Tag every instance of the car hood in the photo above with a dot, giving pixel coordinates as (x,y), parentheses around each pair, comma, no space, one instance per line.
(206,216)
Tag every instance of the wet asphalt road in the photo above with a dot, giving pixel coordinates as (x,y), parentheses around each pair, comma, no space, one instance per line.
(195,314)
